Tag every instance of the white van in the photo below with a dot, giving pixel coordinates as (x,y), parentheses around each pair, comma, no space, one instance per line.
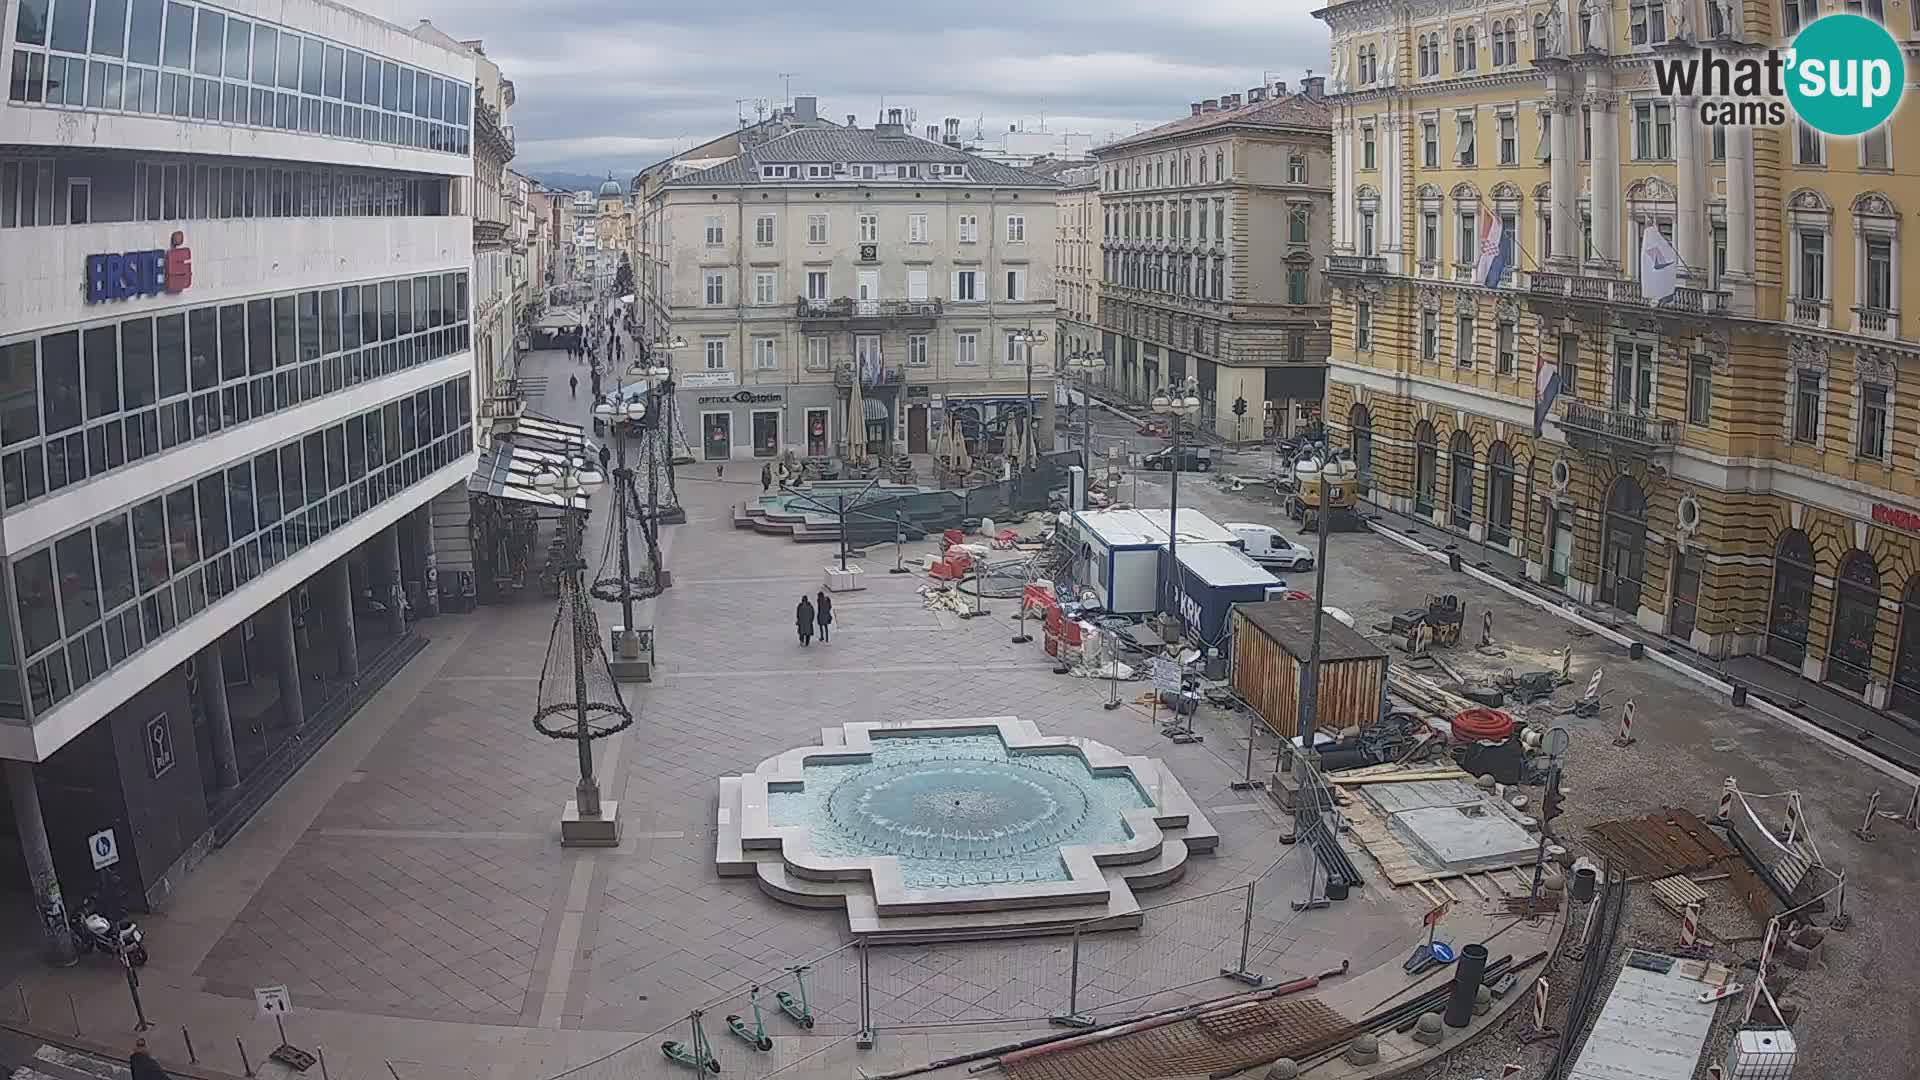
(1266,546)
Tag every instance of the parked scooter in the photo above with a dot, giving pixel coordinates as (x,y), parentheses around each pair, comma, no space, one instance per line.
(94,931)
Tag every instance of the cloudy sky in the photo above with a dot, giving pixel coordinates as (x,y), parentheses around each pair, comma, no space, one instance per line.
(607,84)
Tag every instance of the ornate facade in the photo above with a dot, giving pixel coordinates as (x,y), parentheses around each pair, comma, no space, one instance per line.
(1736,466)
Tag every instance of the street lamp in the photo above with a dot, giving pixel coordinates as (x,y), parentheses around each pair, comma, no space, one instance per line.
(586,822)
(1176,403)
(660,354)
(623,414)
(1027,339)
(1083,364)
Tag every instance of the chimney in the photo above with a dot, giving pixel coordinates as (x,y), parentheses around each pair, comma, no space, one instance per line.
(1256,95)
(953,130)
(1313,86)
(894,126)
(1196,108)
(852,121)
(1280,88)
(1210,105)
(806,109)
(933,132)
(893,116)
(1231,101)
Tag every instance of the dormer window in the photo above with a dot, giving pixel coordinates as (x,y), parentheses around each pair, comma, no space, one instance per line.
(773,172)
(861,172)
(819,172)
(953,170)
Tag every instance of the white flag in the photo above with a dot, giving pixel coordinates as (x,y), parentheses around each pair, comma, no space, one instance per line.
(1659,266)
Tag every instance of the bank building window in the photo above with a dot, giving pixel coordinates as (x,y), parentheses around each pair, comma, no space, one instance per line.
(1875,407)
(1806,408)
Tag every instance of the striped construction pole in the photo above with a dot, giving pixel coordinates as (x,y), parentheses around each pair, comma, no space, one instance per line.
(1912,817)
(1593,688)
(1865,831)
(1690,926)
(1625,738)
(1727,789)
(1566,671)
(1791,831)
(1540,1004)
(1760,973)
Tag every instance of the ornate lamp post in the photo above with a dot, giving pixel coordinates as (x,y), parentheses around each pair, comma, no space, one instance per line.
(660,466)
(1176,403)
(1028,339)
(578,699)
(1083,364)
(632,660)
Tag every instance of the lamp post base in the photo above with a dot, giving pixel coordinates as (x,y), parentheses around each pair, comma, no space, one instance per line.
(602,830)
(631,659)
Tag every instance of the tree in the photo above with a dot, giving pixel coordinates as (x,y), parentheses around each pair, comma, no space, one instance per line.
(623,277)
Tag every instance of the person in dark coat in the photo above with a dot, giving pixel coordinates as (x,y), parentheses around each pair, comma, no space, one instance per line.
(142,1065)
(803,621)
(606,456)
(823,615)
(766,478)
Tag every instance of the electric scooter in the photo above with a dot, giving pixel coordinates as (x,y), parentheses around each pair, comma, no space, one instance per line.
(797,1007)
(756,1036)
(695,1055)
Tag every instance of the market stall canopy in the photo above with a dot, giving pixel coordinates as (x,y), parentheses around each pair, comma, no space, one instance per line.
(543,433)
(561,320)
(627,299)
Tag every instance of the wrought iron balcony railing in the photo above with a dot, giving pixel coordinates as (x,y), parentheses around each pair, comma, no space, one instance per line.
(884,377)
(1594,289)
(1620,425)
(1356,264)
(845,308)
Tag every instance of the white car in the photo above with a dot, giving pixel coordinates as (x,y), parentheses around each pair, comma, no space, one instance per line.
(1269,547)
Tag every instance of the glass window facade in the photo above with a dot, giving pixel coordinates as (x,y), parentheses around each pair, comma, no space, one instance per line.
(99,594)
(193,61)
(80,401)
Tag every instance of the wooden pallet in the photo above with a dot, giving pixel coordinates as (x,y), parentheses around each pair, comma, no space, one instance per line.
(1660,845)
(1397,864)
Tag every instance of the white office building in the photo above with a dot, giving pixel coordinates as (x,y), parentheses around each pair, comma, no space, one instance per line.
(235,357)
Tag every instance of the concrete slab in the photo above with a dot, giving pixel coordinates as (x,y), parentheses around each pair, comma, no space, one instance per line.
(1460,836)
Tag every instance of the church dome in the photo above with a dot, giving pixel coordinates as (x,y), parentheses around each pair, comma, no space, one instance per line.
(612,189)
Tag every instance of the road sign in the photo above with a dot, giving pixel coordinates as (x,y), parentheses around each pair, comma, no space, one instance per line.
(272,1000)
(104,849)
(1166,674)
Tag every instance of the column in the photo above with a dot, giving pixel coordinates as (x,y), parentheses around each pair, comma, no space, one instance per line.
(1561,176)
(1740,215)
(336,592)
(388,588)
(1689,226)
(1342,189)
(32,826)
(278,619)
(1606,170)
(429,563)
(210,670)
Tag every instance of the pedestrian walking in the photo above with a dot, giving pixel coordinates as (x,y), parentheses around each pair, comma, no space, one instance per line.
(803,620)
(141,1064)
(766,478)
(573,385)
(823,615)
(606,455)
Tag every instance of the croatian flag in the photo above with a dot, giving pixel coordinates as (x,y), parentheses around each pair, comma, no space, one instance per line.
(1546,387)
(1492,263)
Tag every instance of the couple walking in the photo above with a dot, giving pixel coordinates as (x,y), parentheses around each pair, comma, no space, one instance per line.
(811,613)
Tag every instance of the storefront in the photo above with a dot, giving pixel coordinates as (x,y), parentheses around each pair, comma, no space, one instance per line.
(746,423)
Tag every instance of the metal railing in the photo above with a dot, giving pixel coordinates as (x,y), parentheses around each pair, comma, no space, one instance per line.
(1610,290)
(1810,311)
(845,308)
(1356,264)
(1620,425)
(886,376)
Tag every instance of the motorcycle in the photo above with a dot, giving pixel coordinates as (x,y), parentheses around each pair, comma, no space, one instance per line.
(94,931)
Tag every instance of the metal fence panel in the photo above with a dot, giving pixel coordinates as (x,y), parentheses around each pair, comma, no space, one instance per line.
(1176,957)
(916,987)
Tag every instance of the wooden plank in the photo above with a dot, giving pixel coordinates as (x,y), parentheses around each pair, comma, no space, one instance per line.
(1477,890)
(1400,777)
(1442,884)
(1432,900)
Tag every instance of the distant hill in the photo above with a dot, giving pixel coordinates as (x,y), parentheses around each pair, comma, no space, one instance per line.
(566,181)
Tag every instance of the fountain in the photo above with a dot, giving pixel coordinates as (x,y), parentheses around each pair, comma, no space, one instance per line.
(959,828)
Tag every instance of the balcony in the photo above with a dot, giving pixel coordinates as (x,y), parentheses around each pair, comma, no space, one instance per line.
(1875,321)
(1357,265)
(1592,427)
(504,403)
(885,378)
(1591,289)
(846,314)
(1808,311)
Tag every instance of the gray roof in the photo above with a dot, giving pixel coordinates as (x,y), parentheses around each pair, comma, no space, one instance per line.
(860,146)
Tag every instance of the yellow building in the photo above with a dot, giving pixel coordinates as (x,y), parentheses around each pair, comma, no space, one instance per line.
(1734,467)
(1076,256)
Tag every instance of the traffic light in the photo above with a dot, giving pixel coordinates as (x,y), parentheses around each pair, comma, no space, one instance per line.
(1553,801)
(1239,406)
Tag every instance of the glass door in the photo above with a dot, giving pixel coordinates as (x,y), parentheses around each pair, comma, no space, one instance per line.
(718,429)
(1686,596)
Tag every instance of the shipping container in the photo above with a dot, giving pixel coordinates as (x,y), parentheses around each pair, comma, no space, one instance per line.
(1118,552)
(1272,642)
(1212,579)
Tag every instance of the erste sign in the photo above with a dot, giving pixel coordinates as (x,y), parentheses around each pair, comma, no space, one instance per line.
(140,273)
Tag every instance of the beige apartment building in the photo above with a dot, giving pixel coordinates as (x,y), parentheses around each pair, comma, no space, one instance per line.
(1076,256)
(1215,228)
(832,255)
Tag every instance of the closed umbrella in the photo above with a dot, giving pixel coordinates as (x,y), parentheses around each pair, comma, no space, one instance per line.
(856,420)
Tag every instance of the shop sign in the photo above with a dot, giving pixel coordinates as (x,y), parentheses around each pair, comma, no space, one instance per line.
(744,397)
(1896,517)
(919,391)
(704,380)
(140,273)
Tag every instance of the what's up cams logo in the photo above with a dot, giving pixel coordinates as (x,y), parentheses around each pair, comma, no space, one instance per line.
(1843,75)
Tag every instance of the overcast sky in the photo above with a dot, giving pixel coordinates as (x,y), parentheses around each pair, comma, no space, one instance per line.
(606,84)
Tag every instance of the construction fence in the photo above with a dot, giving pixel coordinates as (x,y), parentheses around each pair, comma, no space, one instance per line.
(822,1014)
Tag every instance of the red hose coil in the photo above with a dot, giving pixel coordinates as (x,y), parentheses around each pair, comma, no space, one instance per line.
(1475,724)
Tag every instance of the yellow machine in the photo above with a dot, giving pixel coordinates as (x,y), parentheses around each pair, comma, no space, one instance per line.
(1330,489)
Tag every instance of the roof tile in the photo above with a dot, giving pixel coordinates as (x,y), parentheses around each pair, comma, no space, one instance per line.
(1292,111)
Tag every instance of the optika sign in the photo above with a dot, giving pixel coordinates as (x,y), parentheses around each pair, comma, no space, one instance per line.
(1842,77)
(140,273)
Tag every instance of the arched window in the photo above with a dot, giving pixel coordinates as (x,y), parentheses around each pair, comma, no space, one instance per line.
(1460,487)
(1856,620)
(1473,49)
(1426,453)
(1459,50)
(1360,430)
(1203,168)
(1219,168)
(1499,494)
(1906,656)
(1539,37)
(1792,597)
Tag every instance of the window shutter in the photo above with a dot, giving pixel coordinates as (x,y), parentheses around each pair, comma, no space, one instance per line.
(916,284)
(953,288)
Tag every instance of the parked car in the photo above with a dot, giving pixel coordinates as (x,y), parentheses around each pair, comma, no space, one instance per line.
(1191,458)
(1268,547)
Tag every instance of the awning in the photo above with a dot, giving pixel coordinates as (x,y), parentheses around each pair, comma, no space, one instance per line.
(543,433)
(875,410)
(563,319)
(627,299)
(507,471)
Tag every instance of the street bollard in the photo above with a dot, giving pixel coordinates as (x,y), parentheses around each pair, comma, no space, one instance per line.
(1725,810)
(246,1067)
(187,1037)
